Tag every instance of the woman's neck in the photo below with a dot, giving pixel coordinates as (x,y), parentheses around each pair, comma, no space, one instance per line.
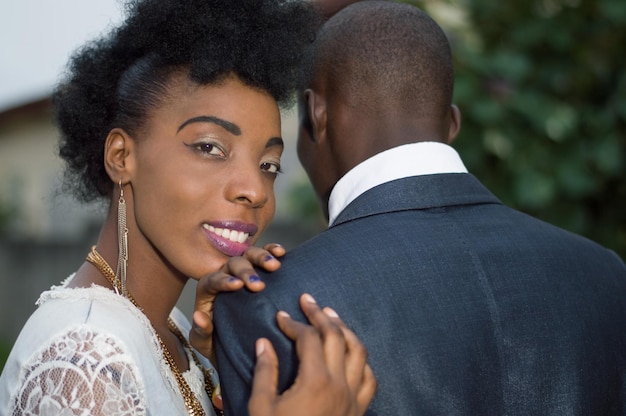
(153,284)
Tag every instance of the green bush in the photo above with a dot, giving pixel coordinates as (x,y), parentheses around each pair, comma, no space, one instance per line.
(542,88)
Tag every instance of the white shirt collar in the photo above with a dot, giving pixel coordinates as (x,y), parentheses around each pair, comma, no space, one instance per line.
(423,158)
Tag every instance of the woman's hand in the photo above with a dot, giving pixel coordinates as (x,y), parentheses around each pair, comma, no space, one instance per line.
(238,272)
(333,379)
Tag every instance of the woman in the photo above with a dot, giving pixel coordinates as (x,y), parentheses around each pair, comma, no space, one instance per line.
(173,118)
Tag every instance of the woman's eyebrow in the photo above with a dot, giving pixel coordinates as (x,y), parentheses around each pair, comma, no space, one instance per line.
(227,125)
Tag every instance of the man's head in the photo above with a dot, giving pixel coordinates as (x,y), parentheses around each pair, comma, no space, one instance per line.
(381,75)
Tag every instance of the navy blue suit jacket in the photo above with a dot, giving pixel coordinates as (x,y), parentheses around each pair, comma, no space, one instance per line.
(467,307)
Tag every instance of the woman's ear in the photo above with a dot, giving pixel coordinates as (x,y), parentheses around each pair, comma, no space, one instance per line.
(455,123)
(316,109)
(119,155)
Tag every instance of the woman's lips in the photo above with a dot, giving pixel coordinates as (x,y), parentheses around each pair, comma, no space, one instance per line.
(230,237)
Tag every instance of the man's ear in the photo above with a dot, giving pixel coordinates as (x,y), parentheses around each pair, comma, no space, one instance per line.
(316,109)
(455,123)
(119,155)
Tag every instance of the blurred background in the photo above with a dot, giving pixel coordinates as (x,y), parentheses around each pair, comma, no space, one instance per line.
(541,85)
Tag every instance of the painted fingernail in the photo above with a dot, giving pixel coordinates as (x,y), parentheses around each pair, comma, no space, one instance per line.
(330,312)
(255,278)
(268,258)
(260,347)
(232,279)
(308,298)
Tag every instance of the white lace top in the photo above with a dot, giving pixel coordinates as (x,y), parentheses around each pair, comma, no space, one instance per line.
(91,352)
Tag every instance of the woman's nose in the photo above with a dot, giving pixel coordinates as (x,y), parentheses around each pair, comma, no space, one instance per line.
(248,187)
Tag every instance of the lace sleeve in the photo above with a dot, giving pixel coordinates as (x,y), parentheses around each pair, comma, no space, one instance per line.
(81,372)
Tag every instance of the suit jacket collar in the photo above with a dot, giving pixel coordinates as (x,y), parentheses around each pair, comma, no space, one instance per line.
(418,192)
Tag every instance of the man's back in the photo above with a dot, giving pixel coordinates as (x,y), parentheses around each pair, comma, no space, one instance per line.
(465,306)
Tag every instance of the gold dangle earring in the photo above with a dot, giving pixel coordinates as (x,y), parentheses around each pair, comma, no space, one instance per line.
(122,238)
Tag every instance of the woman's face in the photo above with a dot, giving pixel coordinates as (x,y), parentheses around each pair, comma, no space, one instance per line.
(203,181)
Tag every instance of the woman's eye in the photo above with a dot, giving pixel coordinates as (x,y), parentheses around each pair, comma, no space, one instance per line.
(270,167)
(208,149)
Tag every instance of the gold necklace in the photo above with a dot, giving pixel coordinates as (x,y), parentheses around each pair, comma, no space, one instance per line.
(194,408)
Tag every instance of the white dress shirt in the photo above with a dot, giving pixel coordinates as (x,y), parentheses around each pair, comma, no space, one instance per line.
(414,159)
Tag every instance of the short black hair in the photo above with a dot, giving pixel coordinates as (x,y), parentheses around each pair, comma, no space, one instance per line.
(116,80)
(381,52)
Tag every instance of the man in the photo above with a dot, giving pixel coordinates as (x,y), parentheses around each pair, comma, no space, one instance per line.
(466,306)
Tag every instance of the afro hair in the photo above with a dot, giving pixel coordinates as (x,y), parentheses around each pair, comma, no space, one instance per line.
(114,81)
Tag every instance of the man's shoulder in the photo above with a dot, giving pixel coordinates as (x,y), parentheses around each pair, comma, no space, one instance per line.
(314,252)
(567,240)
